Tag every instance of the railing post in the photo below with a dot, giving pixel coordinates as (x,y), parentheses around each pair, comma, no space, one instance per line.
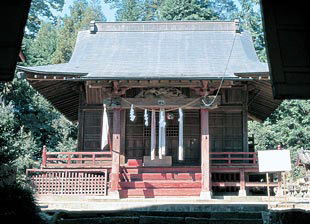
(229,160)
(69,158)
(93,157)
(254,158)
(44,156)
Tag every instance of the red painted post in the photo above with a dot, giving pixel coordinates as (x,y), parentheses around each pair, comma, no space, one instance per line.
(205,155)
(254,158)
(242,191)
(93,157)
(44,156)
(113,191)
(69,158)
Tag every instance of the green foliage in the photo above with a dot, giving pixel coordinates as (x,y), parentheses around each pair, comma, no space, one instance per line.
(251,20)
(288,126)
(39,50)
(27,120)
(40,10)
(81,13)
(186,10)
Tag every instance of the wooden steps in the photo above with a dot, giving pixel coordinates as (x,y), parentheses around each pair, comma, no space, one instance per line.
(151,193)
(159,184)
(161,176)
(158,181)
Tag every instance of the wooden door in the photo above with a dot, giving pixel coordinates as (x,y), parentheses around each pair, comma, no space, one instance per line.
(138,137)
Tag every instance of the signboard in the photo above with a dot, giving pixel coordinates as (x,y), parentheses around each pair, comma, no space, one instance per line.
(274,160)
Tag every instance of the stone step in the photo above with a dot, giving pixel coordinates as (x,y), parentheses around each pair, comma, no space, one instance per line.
(160,184)
(150,219)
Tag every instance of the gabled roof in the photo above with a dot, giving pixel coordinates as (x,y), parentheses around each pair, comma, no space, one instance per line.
(187,50)
(159,50)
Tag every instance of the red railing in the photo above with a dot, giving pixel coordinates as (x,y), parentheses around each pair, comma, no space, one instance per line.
(75,159)
(233,158)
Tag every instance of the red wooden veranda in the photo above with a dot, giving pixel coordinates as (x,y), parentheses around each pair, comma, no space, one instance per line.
(89,173)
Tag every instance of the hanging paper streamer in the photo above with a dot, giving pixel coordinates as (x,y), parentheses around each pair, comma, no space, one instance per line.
(146,118)
(181,149)
(132,113)
(153,135)
(162,134)
(105,128)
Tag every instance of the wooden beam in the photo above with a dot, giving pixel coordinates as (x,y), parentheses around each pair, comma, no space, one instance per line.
(113,192)
(205,155)
(154,103)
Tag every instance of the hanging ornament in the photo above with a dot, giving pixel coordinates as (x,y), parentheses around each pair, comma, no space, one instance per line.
(181,148)
(132,113)
(170,116)
(146,118)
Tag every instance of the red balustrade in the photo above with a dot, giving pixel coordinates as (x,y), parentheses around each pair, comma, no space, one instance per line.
(233,158)
(76,159)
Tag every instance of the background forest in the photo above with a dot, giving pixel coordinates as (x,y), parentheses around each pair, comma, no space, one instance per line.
(28,121)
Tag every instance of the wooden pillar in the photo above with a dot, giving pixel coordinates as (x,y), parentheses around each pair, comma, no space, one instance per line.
(123,134)
(113,191)
(245,120)
(205,155)
(242,191)
(81,115)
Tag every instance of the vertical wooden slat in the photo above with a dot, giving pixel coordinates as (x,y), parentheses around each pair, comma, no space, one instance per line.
(105,182)
(38,183)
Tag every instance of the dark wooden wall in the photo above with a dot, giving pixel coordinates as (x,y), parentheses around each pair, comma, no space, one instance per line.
(228,128)
(138,137)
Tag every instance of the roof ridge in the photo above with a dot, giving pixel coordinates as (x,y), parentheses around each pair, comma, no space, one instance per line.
(162,26)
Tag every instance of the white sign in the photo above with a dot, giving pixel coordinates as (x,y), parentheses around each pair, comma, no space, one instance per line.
(274,160)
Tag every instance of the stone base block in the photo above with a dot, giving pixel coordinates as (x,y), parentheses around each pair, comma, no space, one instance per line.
(114,195)
(242,193)
(205,195)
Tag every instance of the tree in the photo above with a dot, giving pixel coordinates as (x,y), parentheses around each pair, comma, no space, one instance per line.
(39,50)
(186,10)
(81,13)
(224,9)
(251,20)
(151,10)
(41,10)
(288,126)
